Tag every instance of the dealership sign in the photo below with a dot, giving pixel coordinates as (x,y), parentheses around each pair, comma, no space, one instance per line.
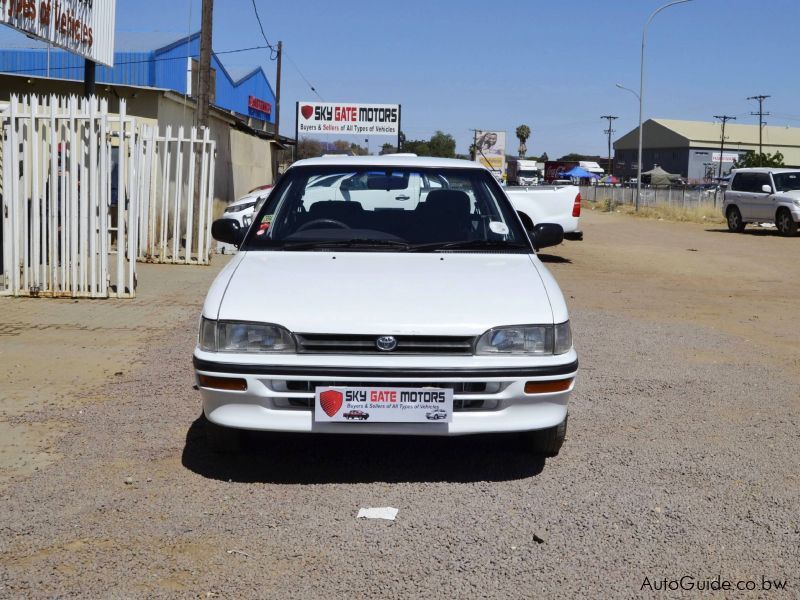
(83,27)
(727,157)
(338,118)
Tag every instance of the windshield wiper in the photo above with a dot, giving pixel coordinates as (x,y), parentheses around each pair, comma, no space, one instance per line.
(353,243)
(471,245)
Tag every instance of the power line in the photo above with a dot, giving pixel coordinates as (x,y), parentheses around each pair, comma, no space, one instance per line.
(313,89)
(273,52)
(137,62)
(724,119)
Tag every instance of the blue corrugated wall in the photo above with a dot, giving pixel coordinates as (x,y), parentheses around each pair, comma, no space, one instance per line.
(164,68)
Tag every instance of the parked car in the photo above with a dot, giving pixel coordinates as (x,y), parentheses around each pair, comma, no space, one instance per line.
(442,289)
(356,414)
(763,195)
(550,204)
(436,414)
(243,209)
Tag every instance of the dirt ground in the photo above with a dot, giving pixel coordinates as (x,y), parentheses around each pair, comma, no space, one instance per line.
(680,461)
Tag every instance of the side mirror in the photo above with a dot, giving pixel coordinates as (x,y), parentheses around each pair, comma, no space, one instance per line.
(767,189)
(545,235)
(228,231)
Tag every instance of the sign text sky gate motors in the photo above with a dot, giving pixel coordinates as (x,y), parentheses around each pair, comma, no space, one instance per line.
(340,118)
(83,27)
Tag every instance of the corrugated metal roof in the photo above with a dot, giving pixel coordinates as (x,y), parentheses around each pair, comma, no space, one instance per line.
(702,133)
(125,41)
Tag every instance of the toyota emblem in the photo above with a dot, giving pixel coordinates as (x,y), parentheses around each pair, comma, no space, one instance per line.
(386,343)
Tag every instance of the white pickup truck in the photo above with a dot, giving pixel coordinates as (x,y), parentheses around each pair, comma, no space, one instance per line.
(560,204)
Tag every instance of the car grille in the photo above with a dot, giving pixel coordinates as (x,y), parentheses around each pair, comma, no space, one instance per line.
(481,390)
(322,343)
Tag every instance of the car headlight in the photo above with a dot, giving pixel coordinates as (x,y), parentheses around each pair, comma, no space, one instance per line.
(526,339)
(237,336)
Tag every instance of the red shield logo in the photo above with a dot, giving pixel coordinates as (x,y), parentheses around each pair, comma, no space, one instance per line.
(307,111)
(331,402)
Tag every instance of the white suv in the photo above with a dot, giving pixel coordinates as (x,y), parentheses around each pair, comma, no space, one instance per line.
(433,304)
(763,195)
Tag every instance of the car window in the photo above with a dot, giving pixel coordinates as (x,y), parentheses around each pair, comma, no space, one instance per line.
(761,179)
(786,182)
(399,206)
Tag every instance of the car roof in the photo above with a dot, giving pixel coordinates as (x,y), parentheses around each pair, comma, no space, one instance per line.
(389,160)
(766,170)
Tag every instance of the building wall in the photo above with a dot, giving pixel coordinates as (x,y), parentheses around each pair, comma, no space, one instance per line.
(251,162)
(691,163)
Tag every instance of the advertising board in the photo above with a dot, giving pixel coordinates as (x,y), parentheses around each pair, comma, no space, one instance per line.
(83,27)
(490,151)
(341,118)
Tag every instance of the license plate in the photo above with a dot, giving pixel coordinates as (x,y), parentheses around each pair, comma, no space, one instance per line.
(383,405)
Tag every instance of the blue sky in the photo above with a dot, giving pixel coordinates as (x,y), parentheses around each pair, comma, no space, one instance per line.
(457,65)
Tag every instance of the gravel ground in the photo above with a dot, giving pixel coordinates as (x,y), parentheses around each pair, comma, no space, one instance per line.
(681,460)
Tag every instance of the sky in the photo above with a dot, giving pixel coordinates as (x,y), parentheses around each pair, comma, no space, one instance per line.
(458,65)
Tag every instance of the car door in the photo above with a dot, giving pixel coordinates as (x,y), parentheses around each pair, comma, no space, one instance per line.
(764,203)
(744,186)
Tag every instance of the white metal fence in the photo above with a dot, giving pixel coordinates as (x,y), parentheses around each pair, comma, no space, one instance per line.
(682,197)
(174,170)
(69,215)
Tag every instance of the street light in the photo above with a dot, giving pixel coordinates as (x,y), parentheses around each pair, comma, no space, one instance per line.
(622,87)
(641,95)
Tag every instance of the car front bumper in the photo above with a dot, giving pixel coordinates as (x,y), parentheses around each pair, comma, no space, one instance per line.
(489,397)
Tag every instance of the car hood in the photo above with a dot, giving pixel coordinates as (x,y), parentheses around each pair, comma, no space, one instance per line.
(793,194)
(385,293)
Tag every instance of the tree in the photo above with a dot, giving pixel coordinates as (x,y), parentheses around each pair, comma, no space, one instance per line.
(308,148)
(523,133)
(387,148)
(754,159)
(572,157)
(441,144)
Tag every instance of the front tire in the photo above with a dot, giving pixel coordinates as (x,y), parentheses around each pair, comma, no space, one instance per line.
(787,226)
(547,442)
(735,222)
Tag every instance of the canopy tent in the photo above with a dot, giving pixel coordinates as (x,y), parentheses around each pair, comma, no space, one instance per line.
(609,179)
(580,173)
(659,176)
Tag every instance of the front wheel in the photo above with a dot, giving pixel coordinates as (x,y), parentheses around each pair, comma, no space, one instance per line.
(785,223)
(546,442)
(735,222)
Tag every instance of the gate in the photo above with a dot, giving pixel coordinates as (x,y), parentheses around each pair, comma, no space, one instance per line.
(69,222)
(175,170)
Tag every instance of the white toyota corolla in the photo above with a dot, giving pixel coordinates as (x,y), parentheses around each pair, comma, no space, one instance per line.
(410,288)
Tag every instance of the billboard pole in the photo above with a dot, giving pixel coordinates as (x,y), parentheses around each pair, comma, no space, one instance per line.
(296,127)
(89,74)
(399,120)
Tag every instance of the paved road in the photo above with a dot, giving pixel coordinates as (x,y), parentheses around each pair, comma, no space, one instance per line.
(681,459)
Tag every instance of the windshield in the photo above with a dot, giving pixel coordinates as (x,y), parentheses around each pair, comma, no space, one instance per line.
(529,173)
(786,182)
(387,208)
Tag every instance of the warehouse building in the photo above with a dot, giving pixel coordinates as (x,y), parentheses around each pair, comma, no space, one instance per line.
(692,148)
(157,77)
(150,59)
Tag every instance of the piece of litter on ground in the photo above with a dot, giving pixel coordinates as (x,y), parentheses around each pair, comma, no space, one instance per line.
(381,512)
(238,552)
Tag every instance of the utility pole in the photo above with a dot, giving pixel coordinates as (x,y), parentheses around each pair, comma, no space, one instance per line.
(89,70)
(203,94)
(278,91)
(609,131)
(724,119)
(761,114)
